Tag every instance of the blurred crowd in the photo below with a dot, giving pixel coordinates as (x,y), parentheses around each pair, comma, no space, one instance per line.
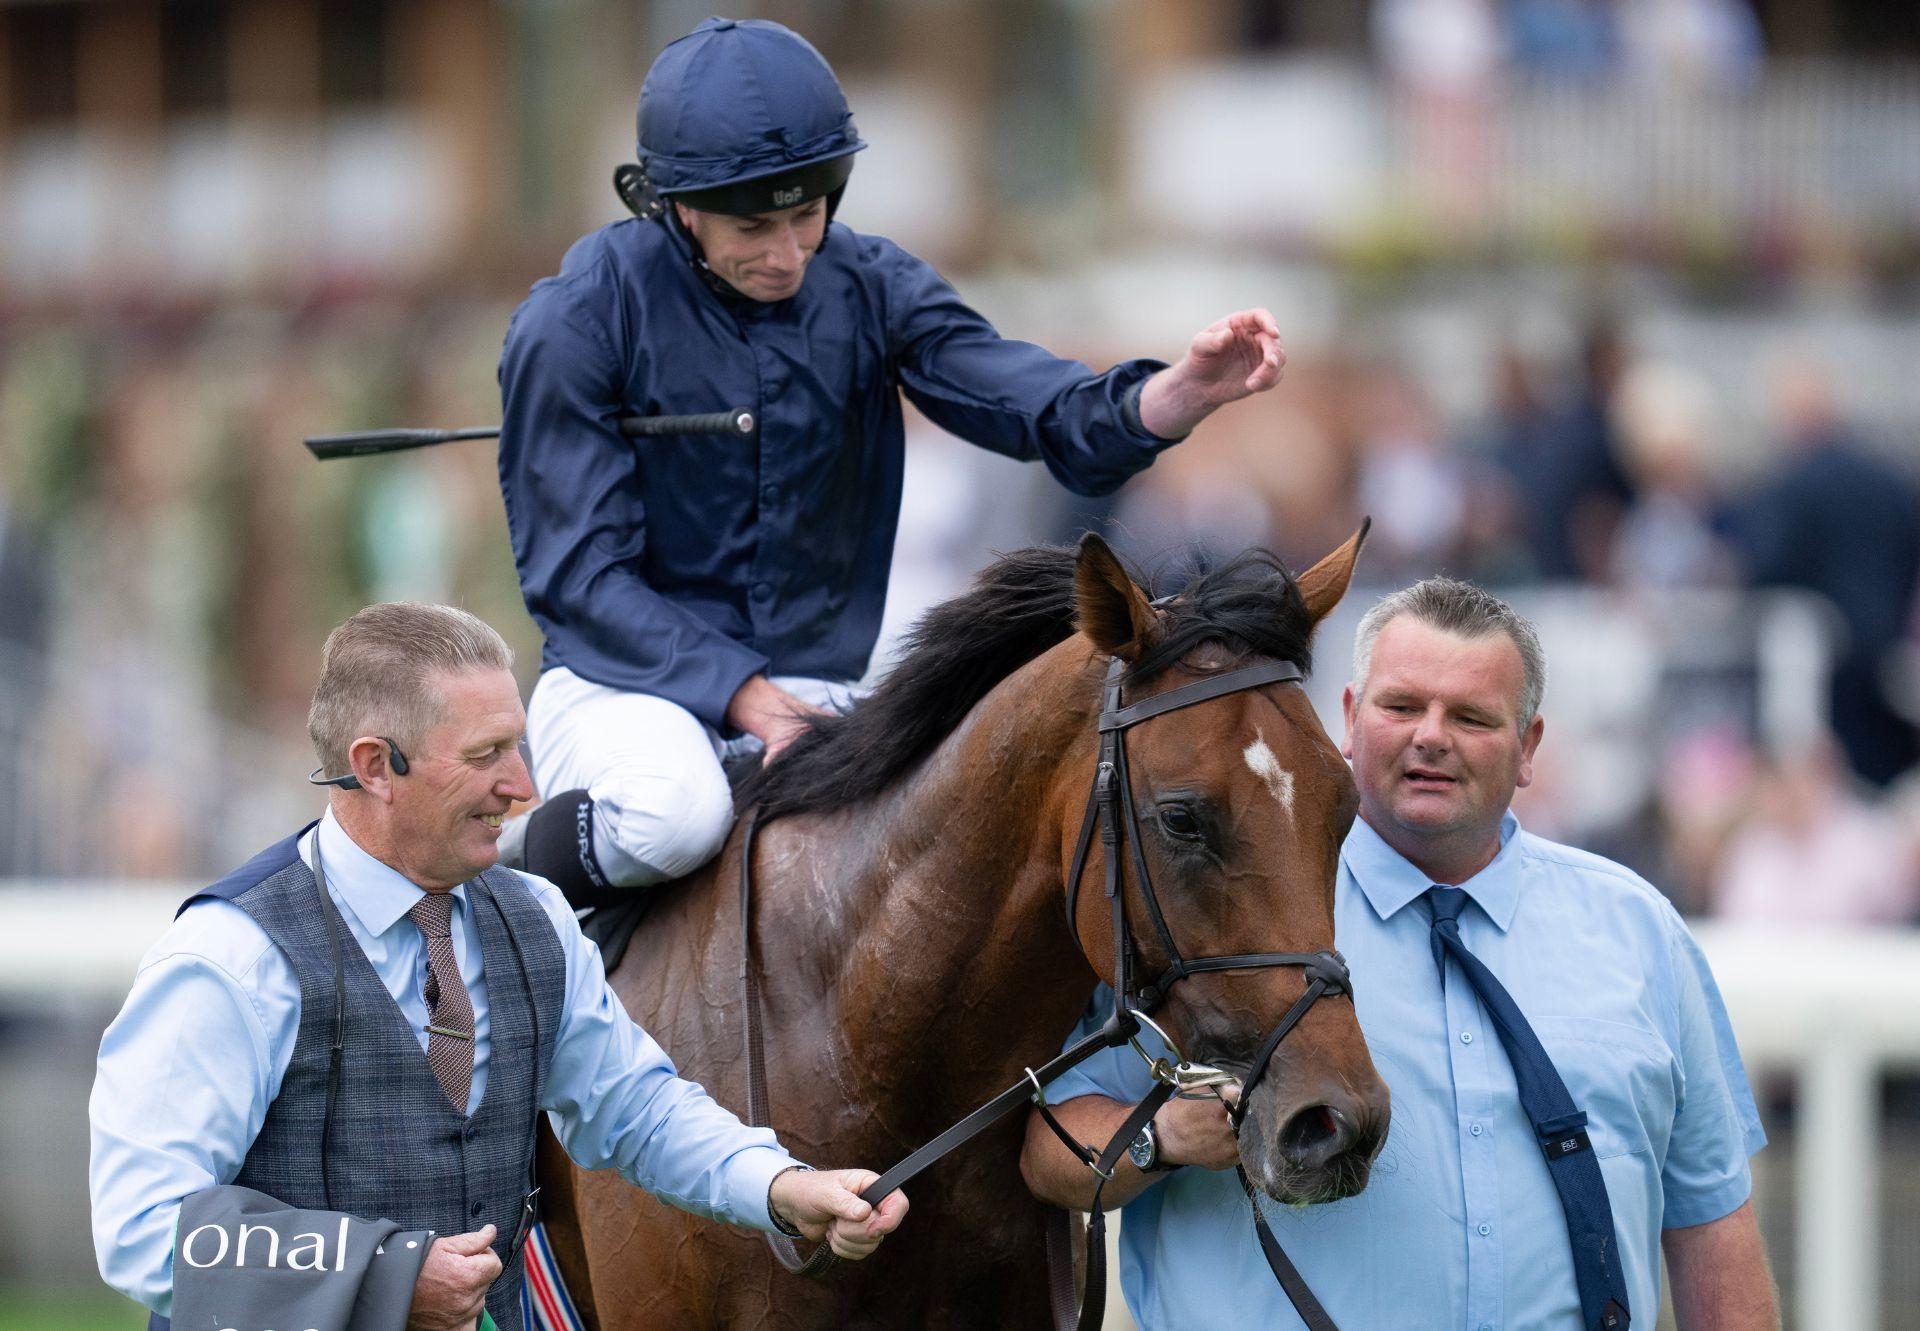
(170,559)
(1612,473)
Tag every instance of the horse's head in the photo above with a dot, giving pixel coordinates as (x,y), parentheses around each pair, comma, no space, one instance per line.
(1242,802)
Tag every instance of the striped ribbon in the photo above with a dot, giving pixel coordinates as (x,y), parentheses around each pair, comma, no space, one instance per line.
(544,1302)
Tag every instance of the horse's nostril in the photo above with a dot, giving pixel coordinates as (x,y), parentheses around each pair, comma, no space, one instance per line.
(1315,1136)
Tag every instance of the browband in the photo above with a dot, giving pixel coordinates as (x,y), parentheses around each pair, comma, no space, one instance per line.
(1201,690)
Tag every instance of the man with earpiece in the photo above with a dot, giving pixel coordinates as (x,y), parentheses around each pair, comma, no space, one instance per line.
(697,594)
(371,1016)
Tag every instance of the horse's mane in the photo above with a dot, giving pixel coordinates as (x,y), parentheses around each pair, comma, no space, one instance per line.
(1019,606)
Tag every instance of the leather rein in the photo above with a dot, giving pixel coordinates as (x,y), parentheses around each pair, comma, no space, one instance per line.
(1110,810)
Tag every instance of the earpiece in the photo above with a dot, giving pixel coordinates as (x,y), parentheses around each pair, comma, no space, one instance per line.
(395,759)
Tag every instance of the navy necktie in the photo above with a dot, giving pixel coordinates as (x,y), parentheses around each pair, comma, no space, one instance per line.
(1559,1123)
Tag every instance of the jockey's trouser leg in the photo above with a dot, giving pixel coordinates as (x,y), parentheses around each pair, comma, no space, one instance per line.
(661,804)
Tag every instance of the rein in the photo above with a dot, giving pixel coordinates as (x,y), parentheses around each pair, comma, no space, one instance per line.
(1110,810)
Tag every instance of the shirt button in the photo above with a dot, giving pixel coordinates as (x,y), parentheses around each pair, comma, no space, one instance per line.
(1466,1037)
(1475,1129)
(1485,1229)
(1486,1326)
(769,494)
(478,1207)
(763,591)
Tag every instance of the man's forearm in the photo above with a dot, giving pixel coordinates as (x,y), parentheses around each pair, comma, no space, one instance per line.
(1720,1277)
(1055,1176)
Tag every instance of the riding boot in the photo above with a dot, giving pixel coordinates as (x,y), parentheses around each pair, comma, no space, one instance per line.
(558,846)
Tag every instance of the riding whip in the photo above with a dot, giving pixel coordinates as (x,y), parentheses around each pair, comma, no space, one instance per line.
(364,443)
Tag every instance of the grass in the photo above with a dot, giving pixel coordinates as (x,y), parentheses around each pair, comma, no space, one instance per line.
(93,1309)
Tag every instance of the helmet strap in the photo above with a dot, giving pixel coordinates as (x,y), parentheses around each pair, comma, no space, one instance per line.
(696,257)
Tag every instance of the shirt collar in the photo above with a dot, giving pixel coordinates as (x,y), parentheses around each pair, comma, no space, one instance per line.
(377,893)
(1390,881)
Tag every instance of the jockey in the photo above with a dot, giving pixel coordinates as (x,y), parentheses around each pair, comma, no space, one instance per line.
(699,594)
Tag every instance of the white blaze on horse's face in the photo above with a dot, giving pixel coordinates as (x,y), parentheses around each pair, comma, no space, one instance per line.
(1278,780)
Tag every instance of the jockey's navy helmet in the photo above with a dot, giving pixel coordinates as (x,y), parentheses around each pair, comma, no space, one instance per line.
(743,116)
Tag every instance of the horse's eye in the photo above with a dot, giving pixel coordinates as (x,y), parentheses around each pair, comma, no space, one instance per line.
(1179,821)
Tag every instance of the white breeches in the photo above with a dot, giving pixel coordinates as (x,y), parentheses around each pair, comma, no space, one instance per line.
(661,806)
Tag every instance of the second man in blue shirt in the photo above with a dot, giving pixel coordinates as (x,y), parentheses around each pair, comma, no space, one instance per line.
(1465,1224)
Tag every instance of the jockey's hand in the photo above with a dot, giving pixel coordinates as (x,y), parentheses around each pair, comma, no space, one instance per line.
(1229,359)
(451,1291)
(825,1204)
(1196,1131)
(770,714)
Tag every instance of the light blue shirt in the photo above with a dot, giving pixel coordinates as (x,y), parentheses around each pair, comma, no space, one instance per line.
(198,1052)
(1460,1226)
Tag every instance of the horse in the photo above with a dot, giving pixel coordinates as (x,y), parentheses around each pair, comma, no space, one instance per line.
(910,927)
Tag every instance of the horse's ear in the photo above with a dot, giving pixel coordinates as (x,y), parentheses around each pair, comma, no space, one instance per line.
(1108,606)
(1326,582)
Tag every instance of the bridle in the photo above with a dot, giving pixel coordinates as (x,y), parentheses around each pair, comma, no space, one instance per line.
(1110,806)
(1110,810)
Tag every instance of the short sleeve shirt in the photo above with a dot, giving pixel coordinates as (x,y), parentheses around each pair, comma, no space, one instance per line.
(1460,1226)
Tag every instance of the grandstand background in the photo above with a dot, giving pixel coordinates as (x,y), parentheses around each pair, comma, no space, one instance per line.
(1611,304)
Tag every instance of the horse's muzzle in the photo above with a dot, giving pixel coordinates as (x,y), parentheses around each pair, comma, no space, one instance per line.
(1323,1149)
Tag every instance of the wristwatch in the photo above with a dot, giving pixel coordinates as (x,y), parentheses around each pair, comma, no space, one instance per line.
(1144,1151)
(780,1222)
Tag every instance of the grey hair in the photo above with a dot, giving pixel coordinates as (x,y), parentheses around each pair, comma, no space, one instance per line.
(377,674)
(1465,610)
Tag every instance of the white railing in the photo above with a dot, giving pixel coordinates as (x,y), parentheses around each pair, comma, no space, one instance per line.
(1834,1009)
(1815,144)
(1837,1009)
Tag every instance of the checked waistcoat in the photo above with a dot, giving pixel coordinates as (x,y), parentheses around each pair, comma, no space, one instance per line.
(398,1149)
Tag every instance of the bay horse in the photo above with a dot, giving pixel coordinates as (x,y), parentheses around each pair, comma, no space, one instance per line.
(910,930)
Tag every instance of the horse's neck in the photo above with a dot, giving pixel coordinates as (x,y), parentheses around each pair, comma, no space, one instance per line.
(938,911)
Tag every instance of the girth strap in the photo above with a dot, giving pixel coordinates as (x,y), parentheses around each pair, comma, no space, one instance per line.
(759,1107)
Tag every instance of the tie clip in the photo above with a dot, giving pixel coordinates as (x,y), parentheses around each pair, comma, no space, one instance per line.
(448,1031)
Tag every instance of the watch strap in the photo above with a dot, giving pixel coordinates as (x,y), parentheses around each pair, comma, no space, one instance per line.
(779,1221)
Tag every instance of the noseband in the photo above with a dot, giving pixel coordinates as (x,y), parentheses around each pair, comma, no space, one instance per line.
(1110,807)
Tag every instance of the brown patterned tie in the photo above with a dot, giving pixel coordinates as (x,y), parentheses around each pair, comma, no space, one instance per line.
(449,1009)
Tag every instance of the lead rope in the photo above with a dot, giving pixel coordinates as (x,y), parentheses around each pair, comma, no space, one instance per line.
(759,1102)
